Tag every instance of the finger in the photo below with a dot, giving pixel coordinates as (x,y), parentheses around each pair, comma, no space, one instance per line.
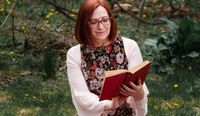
(133,85)
(140,83)
(127,89)
(124,92)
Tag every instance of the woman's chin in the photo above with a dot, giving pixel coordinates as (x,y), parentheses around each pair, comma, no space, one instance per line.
(101,37)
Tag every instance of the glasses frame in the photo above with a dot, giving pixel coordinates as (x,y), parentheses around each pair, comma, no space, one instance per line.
(99,21)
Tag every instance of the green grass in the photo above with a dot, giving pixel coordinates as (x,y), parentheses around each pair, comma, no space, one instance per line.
(170,95)
(30,95)
(177,94)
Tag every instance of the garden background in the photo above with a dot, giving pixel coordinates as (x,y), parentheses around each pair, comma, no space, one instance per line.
(36,34)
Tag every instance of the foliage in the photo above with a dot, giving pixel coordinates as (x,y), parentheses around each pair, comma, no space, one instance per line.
(188,36)
(175,45)
(48,64)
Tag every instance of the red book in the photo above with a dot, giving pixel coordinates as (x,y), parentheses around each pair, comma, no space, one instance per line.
(115,78)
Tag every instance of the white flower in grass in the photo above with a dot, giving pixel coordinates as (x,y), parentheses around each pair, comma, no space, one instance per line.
(120,58)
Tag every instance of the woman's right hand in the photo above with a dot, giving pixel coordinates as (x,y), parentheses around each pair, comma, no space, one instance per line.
(115,103)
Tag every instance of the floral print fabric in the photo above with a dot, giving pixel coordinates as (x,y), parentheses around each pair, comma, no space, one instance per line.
(97,60)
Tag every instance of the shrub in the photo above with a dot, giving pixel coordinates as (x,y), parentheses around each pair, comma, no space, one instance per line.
(180,42)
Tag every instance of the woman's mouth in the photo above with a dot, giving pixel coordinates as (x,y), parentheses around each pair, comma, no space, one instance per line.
(100,33)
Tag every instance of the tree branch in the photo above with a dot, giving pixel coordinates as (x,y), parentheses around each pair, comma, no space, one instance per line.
(13,29)
(172,15)
(62,10)
(184,14)
(137,18)
(141,11)
(8,14)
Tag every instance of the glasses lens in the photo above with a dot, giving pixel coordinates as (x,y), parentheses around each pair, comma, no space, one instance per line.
(105,21)
(94,22)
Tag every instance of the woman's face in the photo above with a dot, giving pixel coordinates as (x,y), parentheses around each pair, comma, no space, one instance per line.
(100,24)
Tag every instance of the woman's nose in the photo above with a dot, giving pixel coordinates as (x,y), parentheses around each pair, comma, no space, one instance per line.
(100,26)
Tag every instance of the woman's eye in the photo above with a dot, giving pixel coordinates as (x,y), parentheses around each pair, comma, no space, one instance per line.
(94,21)
(105,20)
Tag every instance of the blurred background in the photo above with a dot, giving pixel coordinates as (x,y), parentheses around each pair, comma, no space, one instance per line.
(36,34)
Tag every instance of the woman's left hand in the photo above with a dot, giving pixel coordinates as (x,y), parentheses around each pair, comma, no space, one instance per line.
(135,91)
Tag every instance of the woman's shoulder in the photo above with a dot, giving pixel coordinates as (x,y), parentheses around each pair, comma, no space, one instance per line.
(74,55)
(128,41)
(74,49)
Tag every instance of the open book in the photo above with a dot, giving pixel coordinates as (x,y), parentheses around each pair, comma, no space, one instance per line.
(115,78)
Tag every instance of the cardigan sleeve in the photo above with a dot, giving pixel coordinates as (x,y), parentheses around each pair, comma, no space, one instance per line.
(79,89)
(134,57)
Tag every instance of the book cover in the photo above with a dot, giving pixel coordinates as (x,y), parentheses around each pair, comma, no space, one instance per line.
(115,78)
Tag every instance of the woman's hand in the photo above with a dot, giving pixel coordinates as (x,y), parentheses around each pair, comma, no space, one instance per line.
(115,103)
(136,91)
(118,101)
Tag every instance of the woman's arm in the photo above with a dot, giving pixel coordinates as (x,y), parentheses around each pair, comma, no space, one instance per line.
(79,89)
(134,57)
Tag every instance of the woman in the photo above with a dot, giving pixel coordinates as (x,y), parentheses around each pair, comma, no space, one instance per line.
(101,49)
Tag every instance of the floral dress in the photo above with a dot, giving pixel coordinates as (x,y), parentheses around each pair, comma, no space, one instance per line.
(94,61)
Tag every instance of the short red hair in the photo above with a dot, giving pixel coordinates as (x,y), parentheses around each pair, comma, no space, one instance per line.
(82,30)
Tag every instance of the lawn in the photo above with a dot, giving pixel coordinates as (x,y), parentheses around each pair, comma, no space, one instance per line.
(30,95)
(170,95)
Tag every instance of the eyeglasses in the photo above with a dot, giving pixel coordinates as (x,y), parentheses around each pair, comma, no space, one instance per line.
(105,21)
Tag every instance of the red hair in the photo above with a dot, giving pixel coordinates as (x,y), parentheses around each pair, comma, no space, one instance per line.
(82,30)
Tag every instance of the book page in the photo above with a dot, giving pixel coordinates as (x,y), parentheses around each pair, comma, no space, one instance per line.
(139,66)
(114,72)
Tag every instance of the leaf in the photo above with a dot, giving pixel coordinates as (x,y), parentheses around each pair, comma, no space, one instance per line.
(193,54)
(184,8)
(25,73)
(192,42)
(151,42)
(172,25)
(184,25)
(174,61)
(162,47)
(195,28)
(153,1)
(165,8)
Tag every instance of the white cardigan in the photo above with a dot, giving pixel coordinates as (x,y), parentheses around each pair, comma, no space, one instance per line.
(87,103)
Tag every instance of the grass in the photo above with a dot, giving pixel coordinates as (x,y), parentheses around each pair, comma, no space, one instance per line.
(174,95)
(31,95)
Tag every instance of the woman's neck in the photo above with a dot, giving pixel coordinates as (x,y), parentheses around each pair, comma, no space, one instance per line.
(99,43)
